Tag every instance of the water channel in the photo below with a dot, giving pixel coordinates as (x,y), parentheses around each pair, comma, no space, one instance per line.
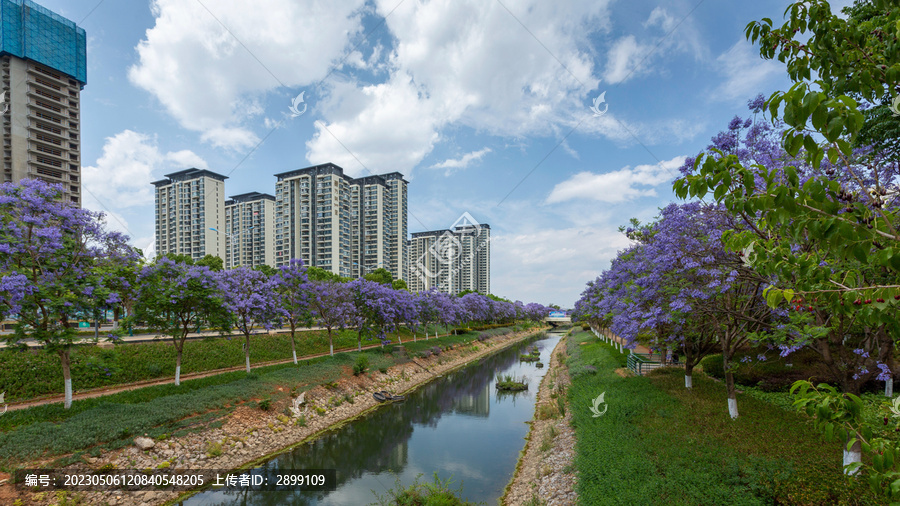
(457,425)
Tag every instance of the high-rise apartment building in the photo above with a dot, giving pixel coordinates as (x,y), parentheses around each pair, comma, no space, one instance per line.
(250,230)
(43,66)
(190,214)
(349,226)
(452,261)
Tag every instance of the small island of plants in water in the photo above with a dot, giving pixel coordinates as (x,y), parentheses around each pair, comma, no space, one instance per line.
(510,383)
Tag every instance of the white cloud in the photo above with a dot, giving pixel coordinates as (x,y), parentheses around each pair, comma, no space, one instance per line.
(375,129)
(623,59)
(463,63)
(540,260)
(617,186)
(629,57)
(746,73)
(122,175)
(210,68)
(460,163)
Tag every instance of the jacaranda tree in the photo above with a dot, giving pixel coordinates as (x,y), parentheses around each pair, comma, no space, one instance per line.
(176,297)
(48,252)
(251,300)
(331,305)
(293,291)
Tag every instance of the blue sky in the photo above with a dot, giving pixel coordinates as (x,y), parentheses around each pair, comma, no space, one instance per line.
(484,105)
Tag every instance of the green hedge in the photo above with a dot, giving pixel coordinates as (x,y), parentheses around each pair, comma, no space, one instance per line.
(770,375)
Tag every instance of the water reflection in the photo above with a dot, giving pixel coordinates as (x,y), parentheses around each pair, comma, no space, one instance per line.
(452,426)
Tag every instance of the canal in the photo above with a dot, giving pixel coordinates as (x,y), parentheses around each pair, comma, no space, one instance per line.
(457,425)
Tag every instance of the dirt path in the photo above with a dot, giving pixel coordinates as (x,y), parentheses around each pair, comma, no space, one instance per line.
(99,392)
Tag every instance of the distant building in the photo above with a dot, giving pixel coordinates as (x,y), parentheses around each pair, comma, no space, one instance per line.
(190,214)
(43,68)
(453,260)
(250,230)
(349,226)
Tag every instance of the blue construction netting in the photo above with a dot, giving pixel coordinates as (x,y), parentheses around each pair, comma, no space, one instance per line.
(30,31)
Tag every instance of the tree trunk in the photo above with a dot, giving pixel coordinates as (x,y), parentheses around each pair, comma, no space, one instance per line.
(729,385)
(67,376)
(247,352)
(853,455)
(330,342)
(178,366)
(689,376)
(889,387)
(293,347)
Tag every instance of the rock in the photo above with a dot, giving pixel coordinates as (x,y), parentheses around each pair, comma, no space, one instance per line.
(144,443)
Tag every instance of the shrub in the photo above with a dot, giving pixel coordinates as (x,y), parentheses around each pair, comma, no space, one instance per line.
(361,365)
(265,404)
(436,350)
(301,421)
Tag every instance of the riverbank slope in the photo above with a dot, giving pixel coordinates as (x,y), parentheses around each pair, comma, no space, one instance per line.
(250,435)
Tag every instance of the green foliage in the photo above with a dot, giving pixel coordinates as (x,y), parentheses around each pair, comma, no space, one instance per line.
(841,418)
(771,375)
(659,443)
(380,275)
(319,274)
(214,448)
(265,404)
(361,365)
(399,284)
(213,262)
(510,383)
(436,493)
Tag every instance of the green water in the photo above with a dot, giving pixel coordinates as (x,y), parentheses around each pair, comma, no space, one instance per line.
(457,426)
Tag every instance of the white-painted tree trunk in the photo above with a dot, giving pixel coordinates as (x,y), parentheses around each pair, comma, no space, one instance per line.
(732,408)
(889,387)
(853,455)
(331,348)
(295,356)
(177,375)
(689,381)
(247,360)
(68,403)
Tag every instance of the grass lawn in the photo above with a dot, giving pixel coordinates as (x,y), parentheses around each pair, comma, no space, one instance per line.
(659,443)
(27,374)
